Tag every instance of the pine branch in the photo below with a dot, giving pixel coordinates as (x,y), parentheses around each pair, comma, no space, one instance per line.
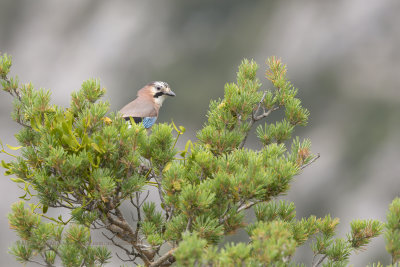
(122,235)
(84,159)
(124,227)
(16,94)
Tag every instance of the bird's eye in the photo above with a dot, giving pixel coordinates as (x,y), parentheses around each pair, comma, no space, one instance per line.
(158,88)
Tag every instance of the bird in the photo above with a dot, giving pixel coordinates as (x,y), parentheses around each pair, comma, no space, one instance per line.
(146,106)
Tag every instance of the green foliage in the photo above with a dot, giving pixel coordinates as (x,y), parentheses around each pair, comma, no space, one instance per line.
(278,132)
(160,146)
(277,238)
(190,250)
(47,240)
(392,234)
(78,159)
(338,250)
(362,231)
(5,65)
(272,211)
(273,235)
(229,118)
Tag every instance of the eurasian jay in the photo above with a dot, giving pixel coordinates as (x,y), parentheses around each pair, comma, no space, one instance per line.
(147,104)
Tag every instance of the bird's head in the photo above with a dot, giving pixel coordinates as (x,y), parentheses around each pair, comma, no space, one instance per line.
(158,90)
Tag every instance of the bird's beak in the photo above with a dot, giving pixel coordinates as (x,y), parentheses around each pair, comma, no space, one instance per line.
(170,93)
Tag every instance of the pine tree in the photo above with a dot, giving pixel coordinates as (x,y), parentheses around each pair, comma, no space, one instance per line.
(78,159)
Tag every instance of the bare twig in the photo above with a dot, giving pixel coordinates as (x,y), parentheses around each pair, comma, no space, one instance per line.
(189,224)
(53,249)
(311,162)
(265,114)
(39,263)
(255,118)
(127,251)
(12,90)
(171,214)
(122,230)
(23,124)
(144,199)
(137,205)
(319,261)
(313,259)
(163,258)
(259,104)
(160,192)
(247,206)
(130,259)
(100,226)
(241,208)
(222,219)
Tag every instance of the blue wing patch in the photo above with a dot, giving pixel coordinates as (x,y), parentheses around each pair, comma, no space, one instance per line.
(148,121)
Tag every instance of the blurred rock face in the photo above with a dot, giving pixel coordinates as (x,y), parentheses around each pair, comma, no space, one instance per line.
(342,55)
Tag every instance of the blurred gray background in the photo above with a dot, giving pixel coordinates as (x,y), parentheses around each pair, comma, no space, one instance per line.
(342,55)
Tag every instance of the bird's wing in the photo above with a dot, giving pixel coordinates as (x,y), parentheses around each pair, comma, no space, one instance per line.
(140,107)
(149,121)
